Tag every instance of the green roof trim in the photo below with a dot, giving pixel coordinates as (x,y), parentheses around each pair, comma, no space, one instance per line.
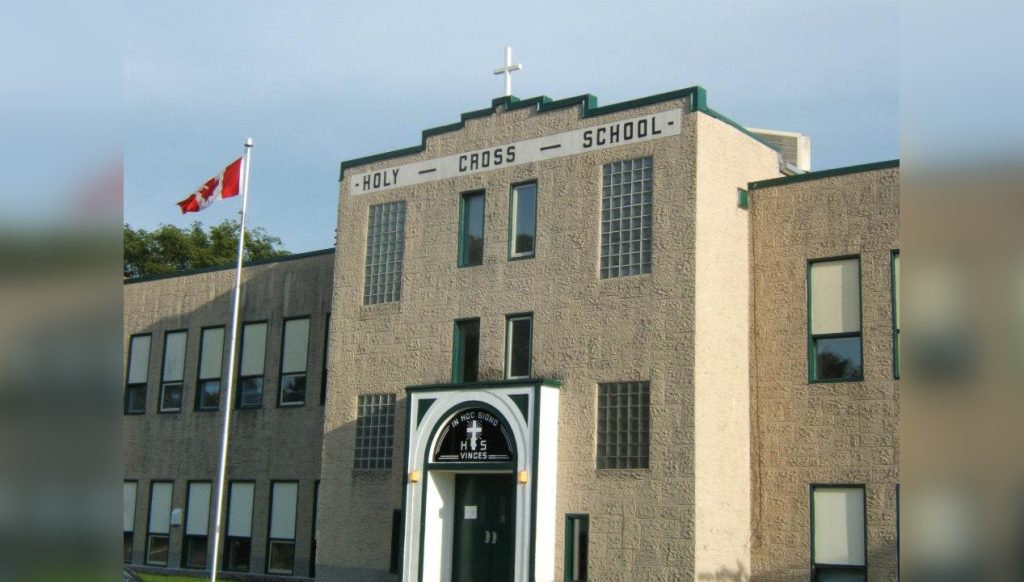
(542,103)
(888,164)
(188,272)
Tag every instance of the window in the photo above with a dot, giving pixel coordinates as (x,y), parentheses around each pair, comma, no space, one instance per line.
(577,540)
(834,311)
(838,535)
(174,371)
(312,545)
(238,542)
(250,376)
(197,525)
(396,541)
(323,374)
(281,539)
(385,247)
(294,351)
(211,362)
(471,229)
(130,494)
(466,351)
(518,345)
(159,522)
(626,218)
(623,425)
(523,221)
(138,374)
(375,431)
(896,314)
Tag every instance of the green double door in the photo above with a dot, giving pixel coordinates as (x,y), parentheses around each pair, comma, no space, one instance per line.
(485,526)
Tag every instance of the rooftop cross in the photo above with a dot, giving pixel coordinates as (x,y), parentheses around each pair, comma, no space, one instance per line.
(507,70)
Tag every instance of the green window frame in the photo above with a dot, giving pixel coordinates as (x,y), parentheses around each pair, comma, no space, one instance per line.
(172,372)
(518,353)
(895,283)
(466,351)
(472,219)
(137,376)
(208,373)
(835,343)
(291,388)
(577,542)
(196,530)
(251,365)
(843,556)
(522,221)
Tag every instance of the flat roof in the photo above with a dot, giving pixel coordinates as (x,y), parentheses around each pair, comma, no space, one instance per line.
(823,174)
(186,272)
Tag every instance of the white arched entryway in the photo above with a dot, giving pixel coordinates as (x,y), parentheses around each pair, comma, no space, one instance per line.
(528,414)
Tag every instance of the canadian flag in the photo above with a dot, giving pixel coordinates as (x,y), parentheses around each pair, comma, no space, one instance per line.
(223,185)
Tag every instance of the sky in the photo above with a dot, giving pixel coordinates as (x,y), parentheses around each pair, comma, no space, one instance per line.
(314,83)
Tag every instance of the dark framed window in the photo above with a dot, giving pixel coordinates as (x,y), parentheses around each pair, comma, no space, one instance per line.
(294,353)
(323,373)
(385,250)
(623,425)
(131,490)
(518,346)
(523,221)
(838,533)
(211,363)
(375,431)
(834,320)
(251,365)
(466,351)
(396,541)
(313,536)
(471,229)
(577,542)
(627,196)
(895,282)
(197,525)
(238,541)
(138,374)
(159,528)
(173,374)
(284,497)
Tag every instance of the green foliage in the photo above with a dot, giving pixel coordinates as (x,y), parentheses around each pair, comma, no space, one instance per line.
(170,248)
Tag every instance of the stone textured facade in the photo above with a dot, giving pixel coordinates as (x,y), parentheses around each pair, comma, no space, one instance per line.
(268,443)
(828,433)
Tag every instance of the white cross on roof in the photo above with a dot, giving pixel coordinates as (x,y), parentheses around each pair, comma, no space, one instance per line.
(507,70)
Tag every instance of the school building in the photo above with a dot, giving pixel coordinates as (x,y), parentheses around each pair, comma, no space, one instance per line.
(554,341)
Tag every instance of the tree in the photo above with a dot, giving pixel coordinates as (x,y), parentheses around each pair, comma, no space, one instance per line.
(170,248)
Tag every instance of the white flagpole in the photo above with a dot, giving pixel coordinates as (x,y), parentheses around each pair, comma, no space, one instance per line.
(231,370)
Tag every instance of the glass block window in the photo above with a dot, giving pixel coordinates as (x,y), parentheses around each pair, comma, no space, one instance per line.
(375,431)
(626,206)
(385,247)
(623,425)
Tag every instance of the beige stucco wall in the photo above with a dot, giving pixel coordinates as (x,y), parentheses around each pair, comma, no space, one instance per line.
(727,160)
(586,331)
(844,432)
(267,444)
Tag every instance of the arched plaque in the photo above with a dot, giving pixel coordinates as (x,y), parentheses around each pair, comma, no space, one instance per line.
(473,435)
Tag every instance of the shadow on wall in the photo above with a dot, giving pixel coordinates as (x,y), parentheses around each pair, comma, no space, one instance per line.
(724,574)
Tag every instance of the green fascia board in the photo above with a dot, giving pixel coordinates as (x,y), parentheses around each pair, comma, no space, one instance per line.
(187,272)
(533,382)
(742,129)
(542,103)
(824,174)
